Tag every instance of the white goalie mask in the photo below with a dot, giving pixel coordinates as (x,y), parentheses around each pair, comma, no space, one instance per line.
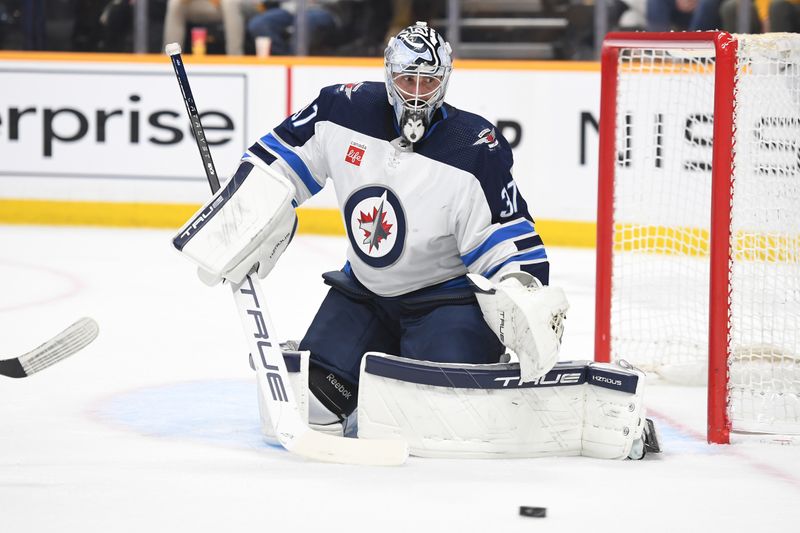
(418,66)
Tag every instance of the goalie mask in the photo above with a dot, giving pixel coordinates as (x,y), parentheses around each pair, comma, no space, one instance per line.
(418,66)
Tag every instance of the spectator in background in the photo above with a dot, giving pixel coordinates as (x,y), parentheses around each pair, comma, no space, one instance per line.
(343,27)
(33,25)
(232,13)
(368,28)
(406,12)
(323,20)
(633,16)
(729,13)
(783,15)
(86,32)
(690,15)
(107,25)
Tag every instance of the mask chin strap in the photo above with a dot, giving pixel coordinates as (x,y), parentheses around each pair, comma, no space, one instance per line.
(413,124)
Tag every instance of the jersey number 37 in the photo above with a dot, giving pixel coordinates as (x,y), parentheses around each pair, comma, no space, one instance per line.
(509,196)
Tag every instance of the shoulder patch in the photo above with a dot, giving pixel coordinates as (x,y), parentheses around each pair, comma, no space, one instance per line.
(488,137)
(349,88)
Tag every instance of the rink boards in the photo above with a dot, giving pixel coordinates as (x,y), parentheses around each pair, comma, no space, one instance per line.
(104,140)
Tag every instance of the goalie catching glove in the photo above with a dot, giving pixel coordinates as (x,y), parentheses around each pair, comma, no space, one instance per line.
(527,317)
(248,222)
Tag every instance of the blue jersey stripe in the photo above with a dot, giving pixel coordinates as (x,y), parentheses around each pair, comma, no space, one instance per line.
(502,234)
(538,253)
(294,161)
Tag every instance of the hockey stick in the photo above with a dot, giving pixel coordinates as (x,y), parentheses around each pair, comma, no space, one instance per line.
(51,352)
(292,432)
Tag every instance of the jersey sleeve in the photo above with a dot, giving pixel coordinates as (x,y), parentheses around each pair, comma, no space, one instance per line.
(294,148)
(494,230)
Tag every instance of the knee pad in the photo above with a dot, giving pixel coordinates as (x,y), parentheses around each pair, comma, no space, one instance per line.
(337,394)
(325,410)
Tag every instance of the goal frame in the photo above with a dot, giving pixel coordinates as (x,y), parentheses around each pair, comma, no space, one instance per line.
(725,47)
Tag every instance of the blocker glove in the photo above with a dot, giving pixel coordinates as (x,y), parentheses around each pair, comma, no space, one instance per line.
(248,223)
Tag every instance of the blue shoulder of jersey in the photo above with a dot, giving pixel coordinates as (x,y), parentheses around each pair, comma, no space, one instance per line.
(362,107)
(471,143)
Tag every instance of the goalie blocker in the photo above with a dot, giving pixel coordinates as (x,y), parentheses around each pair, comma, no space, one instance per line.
(249,222)
(484,411)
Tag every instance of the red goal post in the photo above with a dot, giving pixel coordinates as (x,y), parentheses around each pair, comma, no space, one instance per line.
(691,281)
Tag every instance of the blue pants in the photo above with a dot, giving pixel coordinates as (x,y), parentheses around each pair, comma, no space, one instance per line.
(275,23)
(663,15)
(444,326)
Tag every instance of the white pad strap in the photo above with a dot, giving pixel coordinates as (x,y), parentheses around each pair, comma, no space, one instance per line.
(250,220)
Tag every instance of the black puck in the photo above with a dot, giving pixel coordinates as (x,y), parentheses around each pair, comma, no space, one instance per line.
(537,512)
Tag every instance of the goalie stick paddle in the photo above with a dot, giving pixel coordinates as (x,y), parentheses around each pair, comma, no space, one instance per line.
(66,343)
(292,432)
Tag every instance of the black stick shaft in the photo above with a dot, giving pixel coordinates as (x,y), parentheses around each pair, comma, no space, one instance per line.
(194,118)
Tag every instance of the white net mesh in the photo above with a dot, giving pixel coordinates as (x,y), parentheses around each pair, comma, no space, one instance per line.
(662,199)
(764,361)
(662,203)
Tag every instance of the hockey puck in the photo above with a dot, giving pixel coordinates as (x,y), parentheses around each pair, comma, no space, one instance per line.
(537,512)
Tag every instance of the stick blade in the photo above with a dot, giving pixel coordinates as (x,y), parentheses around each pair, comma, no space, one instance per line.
(327,448)
(66,343)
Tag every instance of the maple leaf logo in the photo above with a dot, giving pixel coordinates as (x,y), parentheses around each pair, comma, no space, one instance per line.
(374,225)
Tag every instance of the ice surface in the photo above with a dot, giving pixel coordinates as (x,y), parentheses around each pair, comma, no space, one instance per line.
(154,426)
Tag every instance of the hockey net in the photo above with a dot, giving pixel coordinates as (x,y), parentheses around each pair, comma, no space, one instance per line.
(691,120)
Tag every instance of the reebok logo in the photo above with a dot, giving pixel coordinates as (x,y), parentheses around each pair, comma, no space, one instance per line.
(346,394)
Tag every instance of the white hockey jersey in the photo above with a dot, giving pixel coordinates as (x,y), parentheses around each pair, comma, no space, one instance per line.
(418,215)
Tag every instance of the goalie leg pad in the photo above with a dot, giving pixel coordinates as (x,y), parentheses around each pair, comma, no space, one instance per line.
(466,411)
(461,410)
(250,220)
(312,411)
(615,415)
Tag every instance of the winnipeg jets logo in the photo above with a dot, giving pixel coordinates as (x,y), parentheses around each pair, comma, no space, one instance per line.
(349,88)
(487,137)
(376,225)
